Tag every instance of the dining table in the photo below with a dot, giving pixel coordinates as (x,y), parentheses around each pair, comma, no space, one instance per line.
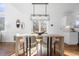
(50,38)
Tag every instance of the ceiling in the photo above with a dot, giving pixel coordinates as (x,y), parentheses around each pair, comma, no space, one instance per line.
(61,7)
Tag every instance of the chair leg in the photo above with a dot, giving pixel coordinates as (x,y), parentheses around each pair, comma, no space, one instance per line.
(18,46)
(23,49)
(54,48)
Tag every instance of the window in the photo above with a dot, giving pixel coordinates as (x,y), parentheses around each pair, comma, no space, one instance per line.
(2,7)
(2,17)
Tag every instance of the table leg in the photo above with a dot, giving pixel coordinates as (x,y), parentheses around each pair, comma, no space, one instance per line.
(27,45)
(50,46)
(47,46)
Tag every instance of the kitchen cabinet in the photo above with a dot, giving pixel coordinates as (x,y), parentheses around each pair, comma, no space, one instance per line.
(71,38)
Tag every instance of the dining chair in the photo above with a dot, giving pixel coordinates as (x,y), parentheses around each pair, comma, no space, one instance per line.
(19,48)
(30,45)
(58,45)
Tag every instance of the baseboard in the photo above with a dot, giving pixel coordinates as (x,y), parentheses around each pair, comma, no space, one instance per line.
(7,42)
(70,44)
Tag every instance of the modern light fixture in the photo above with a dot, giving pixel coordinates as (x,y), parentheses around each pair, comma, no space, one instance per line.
(39,17)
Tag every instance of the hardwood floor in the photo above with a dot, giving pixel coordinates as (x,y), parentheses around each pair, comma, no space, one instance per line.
(6,49)
(71,50)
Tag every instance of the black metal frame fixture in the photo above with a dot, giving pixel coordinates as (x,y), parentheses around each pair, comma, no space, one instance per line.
(39,4)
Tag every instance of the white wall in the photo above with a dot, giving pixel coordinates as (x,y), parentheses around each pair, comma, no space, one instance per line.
(11,15)
(55,18)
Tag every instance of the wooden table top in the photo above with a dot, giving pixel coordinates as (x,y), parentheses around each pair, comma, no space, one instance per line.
(47,35)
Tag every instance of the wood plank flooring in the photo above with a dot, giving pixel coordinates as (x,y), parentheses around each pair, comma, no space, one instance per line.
(71,50)
(7,48)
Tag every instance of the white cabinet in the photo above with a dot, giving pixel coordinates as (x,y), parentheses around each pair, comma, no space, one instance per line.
(71,38)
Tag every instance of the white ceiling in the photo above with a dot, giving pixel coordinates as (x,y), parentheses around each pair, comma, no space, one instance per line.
(58,7)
